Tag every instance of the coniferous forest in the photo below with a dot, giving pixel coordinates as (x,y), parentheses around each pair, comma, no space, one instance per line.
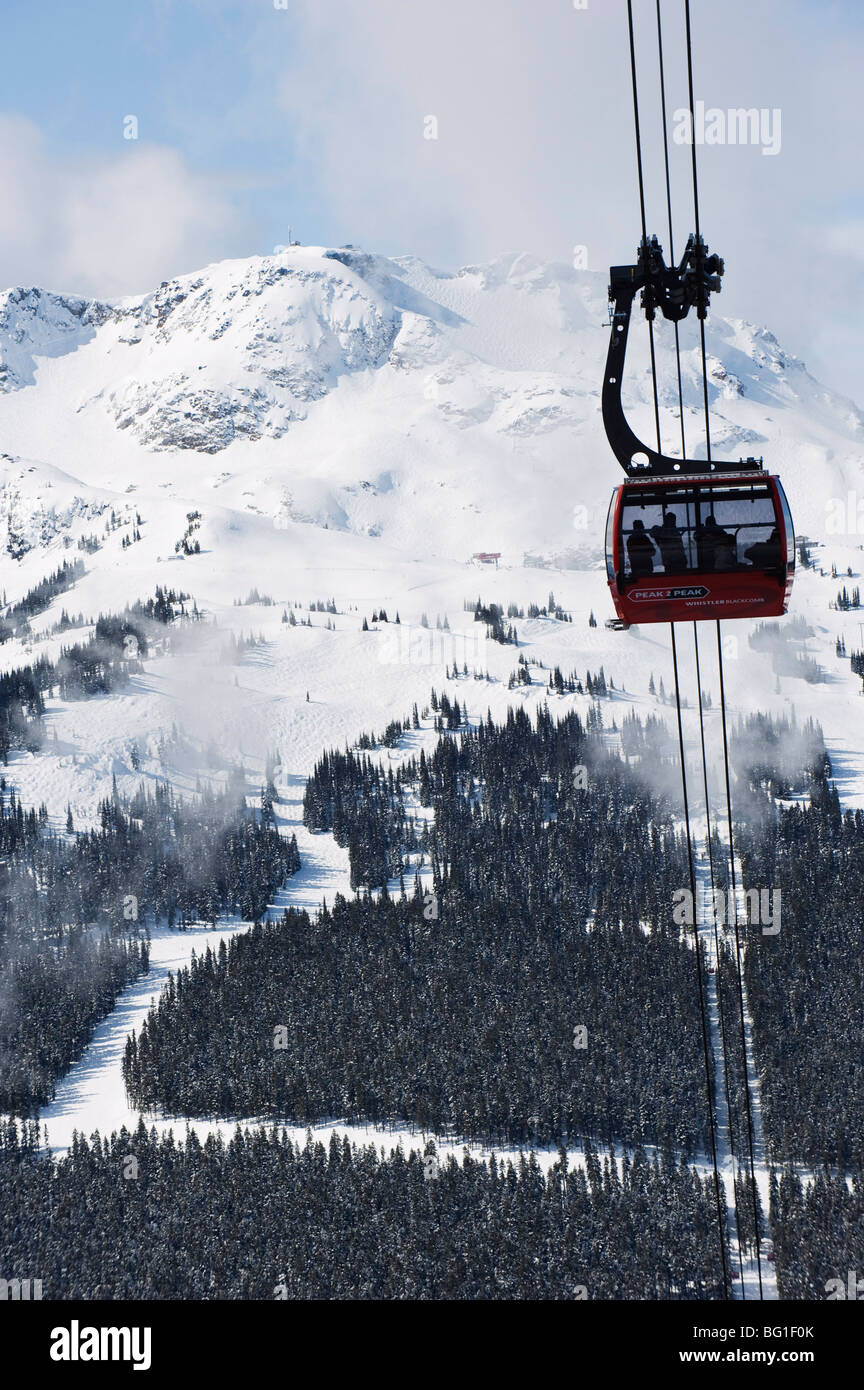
(524,982)
(260,1218)
(75,912)
(805,986)
(460,1008)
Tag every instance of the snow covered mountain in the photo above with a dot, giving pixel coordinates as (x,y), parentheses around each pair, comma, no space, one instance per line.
(327,423)
(442,413)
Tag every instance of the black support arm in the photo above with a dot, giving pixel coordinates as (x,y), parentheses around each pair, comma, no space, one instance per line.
(673,290)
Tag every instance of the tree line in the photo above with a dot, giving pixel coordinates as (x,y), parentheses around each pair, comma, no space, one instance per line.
(260,1217)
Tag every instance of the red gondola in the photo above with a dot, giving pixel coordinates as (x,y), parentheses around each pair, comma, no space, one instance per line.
(686,538)
(720,545)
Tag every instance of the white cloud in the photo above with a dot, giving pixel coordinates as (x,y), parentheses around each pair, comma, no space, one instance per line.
(536,150)
(109,226)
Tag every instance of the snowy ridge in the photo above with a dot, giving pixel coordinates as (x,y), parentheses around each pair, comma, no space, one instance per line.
(384,398)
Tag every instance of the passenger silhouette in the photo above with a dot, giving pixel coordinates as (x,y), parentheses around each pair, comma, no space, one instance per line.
(766,555)
(715,548)
(670,544)
(640,551)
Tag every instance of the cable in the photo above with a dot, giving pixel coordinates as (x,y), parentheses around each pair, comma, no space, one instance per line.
(636,118)
(721,1224)
(642,209)
(738,961)
(696,217)
(669,218)
(689,40)
(718,974)
(712,878)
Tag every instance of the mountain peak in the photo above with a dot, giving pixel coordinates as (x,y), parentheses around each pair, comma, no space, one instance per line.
(347,390)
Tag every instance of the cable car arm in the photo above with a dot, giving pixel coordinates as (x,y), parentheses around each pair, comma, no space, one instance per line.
(674,290)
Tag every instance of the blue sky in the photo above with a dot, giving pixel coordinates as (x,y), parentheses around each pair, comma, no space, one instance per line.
(253,119)
(201,79)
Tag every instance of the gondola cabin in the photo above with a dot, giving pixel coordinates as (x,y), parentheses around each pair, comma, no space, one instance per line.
(718,545)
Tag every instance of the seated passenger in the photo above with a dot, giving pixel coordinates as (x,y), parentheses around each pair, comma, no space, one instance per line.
(670,544)
(640,551)
(716,549)
(766,555)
